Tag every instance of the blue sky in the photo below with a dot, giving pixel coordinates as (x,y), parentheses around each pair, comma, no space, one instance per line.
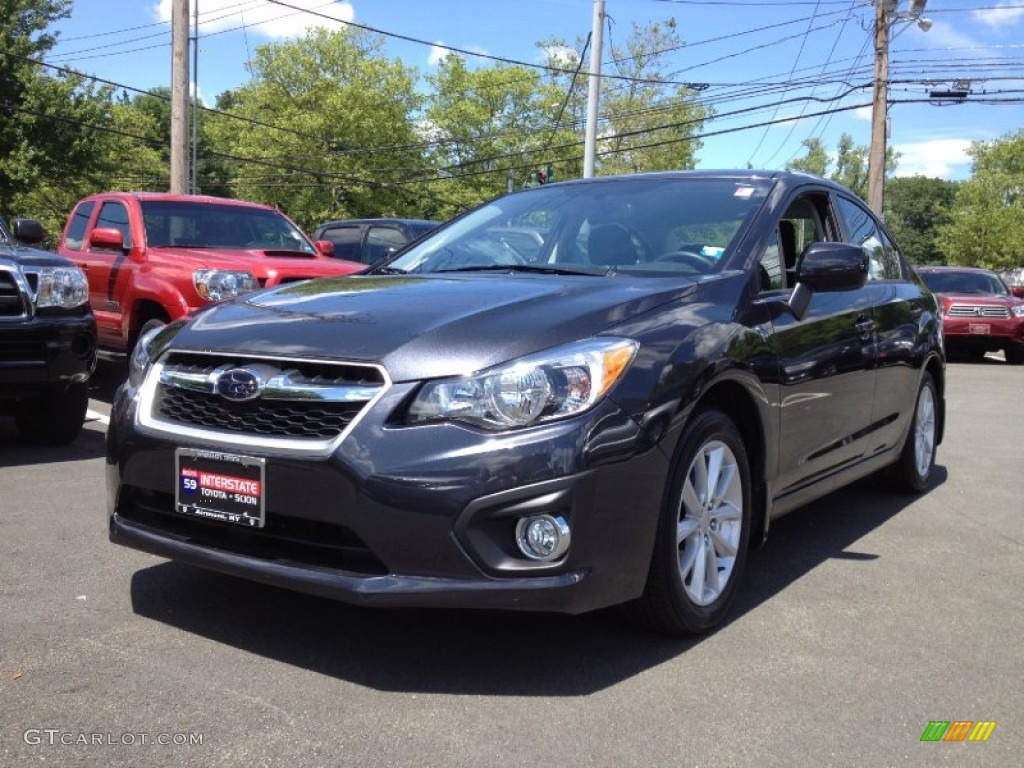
(749,53)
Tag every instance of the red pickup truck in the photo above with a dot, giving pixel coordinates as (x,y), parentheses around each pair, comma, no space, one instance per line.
(154,257)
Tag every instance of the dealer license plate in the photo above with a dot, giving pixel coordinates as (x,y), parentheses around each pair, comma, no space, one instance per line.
(220,486)
(980,329)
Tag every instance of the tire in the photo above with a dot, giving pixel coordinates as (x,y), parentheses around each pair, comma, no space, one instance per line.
(912,472)
(54,418)
(700,528)
(1015,354)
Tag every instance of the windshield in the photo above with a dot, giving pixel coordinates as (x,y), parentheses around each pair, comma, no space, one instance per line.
(643,225)
(964,282)
(179,224)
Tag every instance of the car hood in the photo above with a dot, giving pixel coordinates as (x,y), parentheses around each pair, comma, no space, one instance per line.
(26,256)
(424,326)
(262,263)
(980,298)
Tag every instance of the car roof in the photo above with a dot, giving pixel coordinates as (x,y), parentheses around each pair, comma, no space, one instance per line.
(379,220)
(173,197)
(947,268)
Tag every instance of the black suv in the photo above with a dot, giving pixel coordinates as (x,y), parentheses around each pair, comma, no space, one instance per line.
(47,337)
(615,418)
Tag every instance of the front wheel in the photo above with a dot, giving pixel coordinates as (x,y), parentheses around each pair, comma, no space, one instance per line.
(913,470)
(1015,354)
(701,545)
(56,417)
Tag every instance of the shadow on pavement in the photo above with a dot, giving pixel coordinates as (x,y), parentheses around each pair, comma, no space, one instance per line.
(471,652)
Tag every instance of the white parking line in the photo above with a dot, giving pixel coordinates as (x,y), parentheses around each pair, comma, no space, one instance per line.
(91,415)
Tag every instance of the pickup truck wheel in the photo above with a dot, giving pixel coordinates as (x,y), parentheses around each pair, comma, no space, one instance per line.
(56,417)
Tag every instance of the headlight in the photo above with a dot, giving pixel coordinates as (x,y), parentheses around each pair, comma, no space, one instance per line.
(148,348)
(1018,311)
(220,284)
(550,385)
(64,287)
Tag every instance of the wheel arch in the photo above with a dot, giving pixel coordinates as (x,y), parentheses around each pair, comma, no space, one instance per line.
(935,367)
(738,403)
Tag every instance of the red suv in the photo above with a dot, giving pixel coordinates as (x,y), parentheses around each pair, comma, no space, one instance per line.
(980,314)
(154,257)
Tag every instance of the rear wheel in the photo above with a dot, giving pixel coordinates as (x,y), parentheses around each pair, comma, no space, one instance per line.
(701,545)
(56,417)
(913,470)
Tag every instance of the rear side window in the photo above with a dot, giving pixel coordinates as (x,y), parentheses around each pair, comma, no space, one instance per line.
(346,241)
(883,259)
(76,229)
(382,242)
(115,216)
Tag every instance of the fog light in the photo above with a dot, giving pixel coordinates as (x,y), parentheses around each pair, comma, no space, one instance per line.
(542,537)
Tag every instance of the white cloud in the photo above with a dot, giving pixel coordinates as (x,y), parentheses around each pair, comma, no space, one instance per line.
(863,113)
(935,158)
(438,53)
(264,18)
(562,55)
(1002,15)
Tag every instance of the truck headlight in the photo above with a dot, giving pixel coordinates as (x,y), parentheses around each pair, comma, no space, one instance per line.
(220,284)
(1018,311)
(555,384)
(64,287)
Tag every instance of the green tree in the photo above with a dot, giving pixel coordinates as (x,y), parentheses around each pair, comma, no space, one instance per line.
(851,162)
(648,125)
(914,208)
(986,227)
(342,142)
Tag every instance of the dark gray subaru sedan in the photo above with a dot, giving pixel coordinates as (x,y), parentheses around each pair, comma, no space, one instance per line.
(614,420)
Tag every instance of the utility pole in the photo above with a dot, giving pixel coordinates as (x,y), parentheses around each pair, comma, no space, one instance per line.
(179,96)
(194,102)
(887,13)
(879,110)
(594,91)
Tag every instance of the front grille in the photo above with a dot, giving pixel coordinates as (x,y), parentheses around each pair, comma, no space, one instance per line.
(12,300)
(297,399)
(282,539)
(979,310)
(259,417)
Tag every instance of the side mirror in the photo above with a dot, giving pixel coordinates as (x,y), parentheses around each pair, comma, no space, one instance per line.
(28,231)
(107,238)
(326,247)
(827,267)
(1018,291)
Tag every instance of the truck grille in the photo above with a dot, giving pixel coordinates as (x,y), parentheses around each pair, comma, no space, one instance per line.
(12,300)
(979,310)
(309,403)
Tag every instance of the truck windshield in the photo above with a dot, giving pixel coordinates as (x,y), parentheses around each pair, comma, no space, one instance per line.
(179,224)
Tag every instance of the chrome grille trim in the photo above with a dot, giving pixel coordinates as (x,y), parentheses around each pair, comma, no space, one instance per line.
(979,310)
(290,386)
(15,294)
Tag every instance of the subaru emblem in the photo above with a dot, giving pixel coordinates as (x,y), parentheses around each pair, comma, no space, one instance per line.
(240,384)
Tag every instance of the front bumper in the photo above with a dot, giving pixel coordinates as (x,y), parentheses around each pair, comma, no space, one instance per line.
(983,333)
(45,350)
(415,516)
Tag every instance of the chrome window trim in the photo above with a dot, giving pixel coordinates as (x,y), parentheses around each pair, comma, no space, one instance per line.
(151,424)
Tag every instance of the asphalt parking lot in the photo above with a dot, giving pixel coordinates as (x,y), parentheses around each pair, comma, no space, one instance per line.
(864,618)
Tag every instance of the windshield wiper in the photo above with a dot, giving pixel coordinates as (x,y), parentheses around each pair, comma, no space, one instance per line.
(545,269)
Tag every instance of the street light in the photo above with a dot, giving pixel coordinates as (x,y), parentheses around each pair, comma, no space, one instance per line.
(887,14)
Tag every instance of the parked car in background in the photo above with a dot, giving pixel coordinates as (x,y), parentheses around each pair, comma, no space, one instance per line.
(980,313)
(370,240)
(689,356)
(154,257)
(47,337)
